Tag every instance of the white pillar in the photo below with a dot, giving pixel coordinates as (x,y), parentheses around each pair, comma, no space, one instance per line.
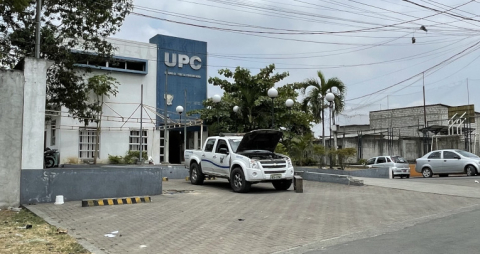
(166,149)
(195,140)
(34,94)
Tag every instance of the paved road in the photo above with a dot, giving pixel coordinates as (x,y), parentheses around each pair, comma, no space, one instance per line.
(453,234)
(206,220)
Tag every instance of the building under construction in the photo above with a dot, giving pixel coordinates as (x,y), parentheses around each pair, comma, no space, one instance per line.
(412,131)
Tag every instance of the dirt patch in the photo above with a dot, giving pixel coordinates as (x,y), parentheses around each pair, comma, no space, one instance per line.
(24,232)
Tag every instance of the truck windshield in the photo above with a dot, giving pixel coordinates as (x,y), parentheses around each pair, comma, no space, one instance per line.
(234,144)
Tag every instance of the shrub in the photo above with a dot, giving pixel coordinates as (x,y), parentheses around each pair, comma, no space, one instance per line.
(132,157)
(362,161)
(114,159)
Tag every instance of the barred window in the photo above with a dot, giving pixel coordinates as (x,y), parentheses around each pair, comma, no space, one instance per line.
(87,141)
(53,128)
(134,140)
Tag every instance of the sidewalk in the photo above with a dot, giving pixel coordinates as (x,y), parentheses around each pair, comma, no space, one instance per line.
(435,187)
(212,219)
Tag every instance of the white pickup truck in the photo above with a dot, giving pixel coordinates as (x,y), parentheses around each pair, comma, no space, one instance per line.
(243,160)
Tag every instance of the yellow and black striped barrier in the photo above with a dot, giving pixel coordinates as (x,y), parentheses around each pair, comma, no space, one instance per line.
(165,179)
(115,201)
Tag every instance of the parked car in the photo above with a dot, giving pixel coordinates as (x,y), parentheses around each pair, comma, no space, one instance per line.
(448,161)
(399,165)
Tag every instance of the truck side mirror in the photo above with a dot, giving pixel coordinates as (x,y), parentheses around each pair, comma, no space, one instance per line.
(223,150)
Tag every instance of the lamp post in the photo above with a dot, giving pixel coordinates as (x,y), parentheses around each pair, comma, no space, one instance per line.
(272,93)
(289,104)
(216,99)
(179,110)
(235,110)
(330,98)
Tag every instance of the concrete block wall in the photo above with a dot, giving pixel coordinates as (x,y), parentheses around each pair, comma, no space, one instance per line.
(407,120)
(11,120)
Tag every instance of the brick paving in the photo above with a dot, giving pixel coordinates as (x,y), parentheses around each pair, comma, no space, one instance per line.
(213,219)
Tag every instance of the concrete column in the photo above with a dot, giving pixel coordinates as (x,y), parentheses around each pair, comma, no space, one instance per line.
(166,149)
(195,140)
(11,103)
(34,94)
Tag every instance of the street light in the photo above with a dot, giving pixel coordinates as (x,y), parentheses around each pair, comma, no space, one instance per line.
(272,93)
(179,110)
(235,110)
(330,98)
(216,99)
(289,104)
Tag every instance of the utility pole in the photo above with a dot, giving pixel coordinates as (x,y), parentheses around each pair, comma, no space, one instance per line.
(425,145)
(165,115)
(185,127)
(468,119)
(37,30)
(141,124)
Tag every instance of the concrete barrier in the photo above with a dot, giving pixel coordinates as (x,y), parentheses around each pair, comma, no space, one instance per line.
(370,172)
(331,178)
(41,186)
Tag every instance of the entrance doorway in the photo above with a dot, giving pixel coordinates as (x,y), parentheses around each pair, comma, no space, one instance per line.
(175,147)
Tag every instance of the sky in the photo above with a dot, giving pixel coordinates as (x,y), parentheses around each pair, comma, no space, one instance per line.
(366,44)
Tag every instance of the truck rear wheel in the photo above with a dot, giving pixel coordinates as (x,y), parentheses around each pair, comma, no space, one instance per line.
(282,184)
(196,175)
(238,182)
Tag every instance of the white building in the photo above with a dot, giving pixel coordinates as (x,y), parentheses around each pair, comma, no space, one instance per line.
(138,64)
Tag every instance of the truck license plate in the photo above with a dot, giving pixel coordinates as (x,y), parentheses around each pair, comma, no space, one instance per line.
(275,176)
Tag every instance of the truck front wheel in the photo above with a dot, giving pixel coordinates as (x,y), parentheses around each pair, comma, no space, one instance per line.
(238,182)
(196,175)
(282,184)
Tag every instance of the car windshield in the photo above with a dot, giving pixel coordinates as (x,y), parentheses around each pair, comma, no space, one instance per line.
(466,154)
(398,159)
(234,144)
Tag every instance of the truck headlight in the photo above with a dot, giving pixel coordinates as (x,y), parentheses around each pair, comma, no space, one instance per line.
(289,163)
(254,164)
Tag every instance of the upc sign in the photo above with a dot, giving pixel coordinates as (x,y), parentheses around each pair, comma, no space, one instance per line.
(194,61)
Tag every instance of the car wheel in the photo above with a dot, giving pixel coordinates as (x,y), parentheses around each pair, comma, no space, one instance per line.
(196,175)
(407,176)
(238,182)
(393,176)
(49,163)
(426,172)
(471,171)
(282,184)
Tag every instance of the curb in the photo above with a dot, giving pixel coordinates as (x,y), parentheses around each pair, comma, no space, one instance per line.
(187,178)
(115,201)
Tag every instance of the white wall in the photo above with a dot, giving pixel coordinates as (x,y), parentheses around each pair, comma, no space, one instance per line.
(115,132)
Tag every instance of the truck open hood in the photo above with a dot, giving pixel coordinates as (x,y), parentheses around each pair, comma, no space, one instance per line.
(260,140)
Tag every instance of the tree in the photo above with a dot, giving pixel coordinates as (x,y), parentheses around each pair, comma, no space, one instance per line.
(315,91)
(17,5)
(343,155)
(70,28)
(100,86)
(249,92)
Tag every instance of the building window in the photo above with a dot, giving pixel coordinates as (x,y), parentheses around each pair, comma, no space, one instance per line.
(53,128)
(116,63)
(87,141)
(134,140)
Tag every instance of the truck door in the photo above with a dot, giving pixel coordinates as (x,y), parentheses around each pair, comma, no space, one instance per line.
(221,158)
(207,155)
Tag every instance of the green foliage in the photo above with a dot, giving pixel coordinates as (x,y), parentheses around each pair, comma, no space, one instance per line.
(343,155)
(16,5)
(132,157)
(114,159)
(100,86)
(68,26)
(303,151)
(281,149)
(249,92)
(362,161)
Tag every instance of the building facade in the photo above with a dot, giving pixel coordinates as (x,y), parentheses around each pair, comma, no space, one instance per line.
(171,72)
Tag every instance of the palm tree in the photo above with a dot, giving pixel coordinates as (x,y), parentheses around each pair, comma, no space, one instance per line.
(314,100)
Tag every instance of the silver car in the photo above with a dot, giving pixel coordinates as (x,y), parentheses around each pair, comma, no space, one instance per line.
(399,165)
(448,161)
